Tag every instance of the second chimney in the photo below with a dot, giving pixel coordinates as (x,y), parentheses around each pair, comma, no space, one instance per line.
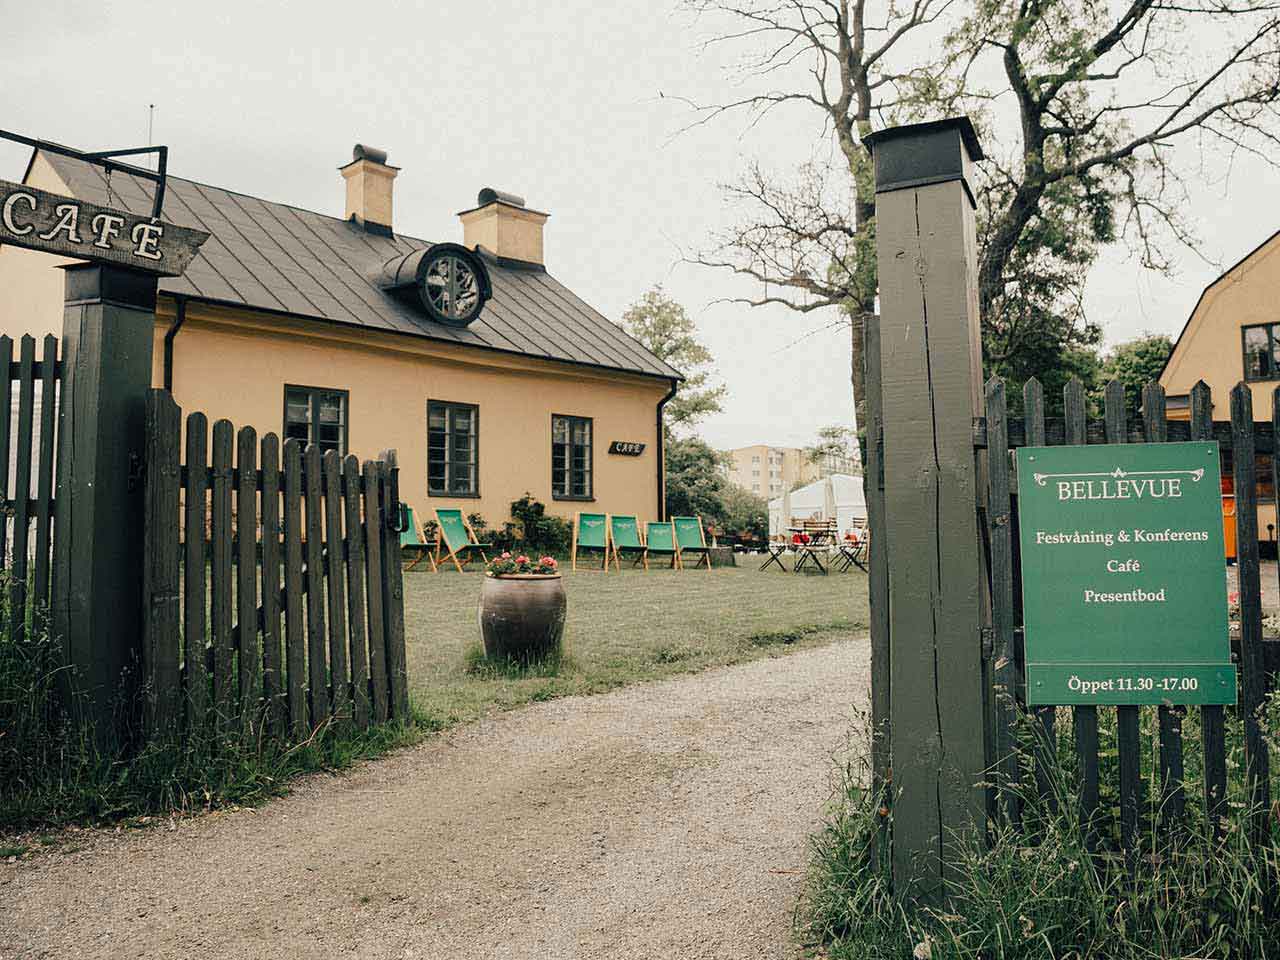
(503,225)
(369,180)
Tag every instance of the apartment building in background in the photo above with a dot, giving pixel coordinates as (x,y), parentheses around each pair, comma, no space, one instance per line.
(771,471)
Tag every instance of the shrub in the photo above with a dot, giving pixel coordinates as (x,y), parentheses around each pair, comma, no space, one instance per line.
(538,533)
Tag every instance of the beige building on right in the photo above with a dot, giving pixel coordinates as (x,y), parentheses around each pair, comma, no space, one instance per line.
(1233,334)
(771,471)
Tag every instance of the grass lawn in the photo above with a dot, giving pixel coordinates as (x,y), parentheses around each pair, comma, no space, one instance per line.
(622,628)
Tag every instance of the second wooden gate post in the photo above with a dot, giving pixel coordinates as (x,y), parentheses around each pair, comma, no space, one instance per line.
(107,336)
(931,377)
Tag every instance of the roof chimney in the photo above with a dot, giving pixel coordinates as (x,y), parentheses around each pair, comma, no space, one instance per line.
(369,179)
(503,225)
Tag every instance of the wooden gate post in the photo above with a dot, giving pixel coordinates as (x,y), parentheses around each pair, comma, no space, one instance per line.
(930,389)
(107,335)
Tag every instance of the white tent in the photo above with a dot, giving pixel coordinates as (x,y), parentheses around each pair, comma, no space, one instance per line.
(814,502)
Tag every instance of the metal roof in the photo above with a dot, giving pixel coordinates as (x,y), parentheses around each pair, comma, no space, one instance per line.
(271,256)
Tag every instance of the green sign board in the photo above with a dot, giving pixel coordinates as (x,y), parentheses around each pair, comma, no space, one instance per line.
(1123,575)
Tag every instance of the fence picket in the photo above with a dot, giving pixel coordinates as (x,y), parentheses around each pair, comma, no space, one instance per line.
(1004,671)
(393,596)
(359,656)
(22,489)
(195,648)
(1172,793)
(373,582)
(1213,729)
(317,660)
(161,678)
(220,577)
(6,422)
(1249,586)
(1084,718)
(250,657)
(336,595)
(1128,718)
(272,665)
(49,397)
(1046,742)
(294,627)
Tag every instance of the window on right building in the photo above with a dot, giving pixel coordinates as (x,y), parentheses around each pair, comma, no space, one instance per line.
(1261,351)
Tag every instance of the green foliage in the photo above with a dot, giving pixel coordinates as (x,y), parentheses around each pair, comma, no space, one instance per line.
(696,485)
(56,769)
(1038,892)
(537,533)
(669,333)
(745,513)
(1135,363)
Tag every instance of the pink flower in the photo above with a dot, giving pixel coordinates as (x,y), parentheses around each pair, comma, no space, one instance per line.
(506,555)
(548,562)
(522,559)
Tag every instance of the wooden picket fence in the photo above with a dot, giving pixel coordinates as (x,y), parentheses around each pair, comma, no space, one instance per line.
(994,436)
(28,452)
(273,596)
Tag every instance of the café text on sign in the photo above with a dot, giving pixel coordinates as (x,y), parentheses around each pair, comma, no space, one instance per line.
(38,220)
(1123,575)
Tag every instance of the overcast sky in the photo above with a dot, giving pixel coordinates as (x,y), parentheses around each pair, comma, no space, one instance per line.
(569,104)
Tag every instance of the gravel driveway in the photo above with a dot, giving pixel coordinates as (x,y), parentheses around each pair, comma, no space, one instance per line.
(666,820)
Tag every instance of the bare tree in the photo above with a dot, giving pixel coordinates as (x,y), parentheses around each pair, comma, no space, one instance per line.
(1102,93)
(810,242)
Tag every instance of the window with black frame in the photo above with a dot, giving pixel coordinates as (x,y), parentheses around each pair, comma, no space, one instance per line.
(1261,352)
(571,458)
(316,415)
(453,455)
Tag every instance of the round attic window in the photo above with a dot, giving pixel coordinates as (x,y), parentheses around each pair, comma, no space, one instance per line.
(451,287)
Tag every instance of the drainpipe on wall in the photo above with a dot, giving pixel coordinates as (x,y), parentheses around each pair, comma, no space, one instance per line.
(179,319)
(662,478)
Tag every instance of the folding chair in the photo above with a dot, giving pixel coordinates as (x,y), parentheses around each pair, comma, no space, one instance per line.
(624,537)
(690,538)
(775,549)
(457,539)
(853,552)
(412,539)
(660,541)
(819,534)
(590,532)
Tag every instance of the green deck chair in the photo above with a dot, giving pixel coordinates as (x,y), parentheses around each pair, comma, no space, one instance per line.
(624,532)
(457,539)
(690,538)
(590,532)
(412,539)
(660,540)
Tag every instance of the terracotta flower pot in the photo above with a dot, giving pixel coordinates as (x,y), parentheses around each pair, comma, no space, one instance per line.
(522,616)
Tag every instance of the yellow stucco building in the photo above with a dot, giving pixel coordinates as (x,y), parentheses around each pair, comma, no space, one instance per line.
(1233,334)
(489,377)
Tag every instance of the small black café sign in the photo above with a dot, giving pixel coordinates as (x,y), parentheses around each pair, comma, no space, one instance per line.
(626,448)
(49,222)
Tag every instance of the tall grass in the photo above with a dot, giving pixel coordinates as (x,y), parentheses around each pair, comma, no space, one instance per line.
(56,769)
(1038,892)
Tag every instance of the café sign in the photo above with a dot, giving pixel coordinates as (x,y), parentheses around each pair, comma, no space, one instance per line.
(49,222)
(1123,575)
(627,448)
